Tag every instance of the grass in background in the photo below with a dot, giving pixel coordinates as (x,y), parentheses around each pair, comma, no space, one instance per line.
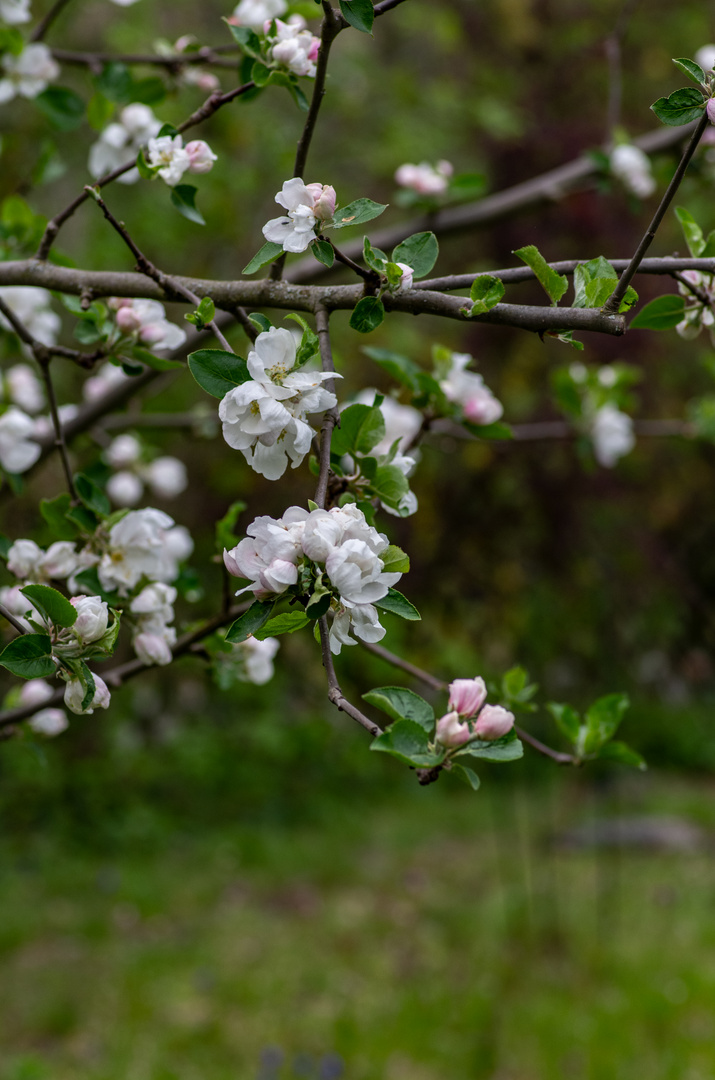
(435,935)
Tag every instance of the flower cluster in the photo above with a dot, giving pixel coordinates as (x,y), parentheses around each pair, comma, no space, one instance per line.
(255,13)
(308,205)
(122,140)
(18,450)
(247,661)
(294,47)
(611,434)
(143,543)
(303,549)
(402,423)
(600,393)
(146,322)
(633,168)
(165,476)
(153,611)
(264,417)
(31,305)
(469,718)
(425,179)
(14,12)
(168,155)
(468,390)
(46,721)
(28,73)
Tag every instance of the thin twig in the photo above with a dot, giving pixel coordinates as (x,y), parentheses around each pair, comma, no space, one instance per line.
(15,623)
(44,24)
(59,440)
(92,60)
(332,416)
(513,275)
(555,755)
(405,665)
(614,301)
(370,276)
(335,694)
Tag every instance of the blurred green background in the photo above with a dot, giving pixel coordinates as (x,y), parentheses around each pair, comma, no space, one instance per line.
(203,885)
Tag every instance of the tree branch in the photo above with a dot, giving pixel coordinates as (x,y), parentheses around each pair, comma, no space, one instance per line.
(332,416)
(44,24)
(335,694)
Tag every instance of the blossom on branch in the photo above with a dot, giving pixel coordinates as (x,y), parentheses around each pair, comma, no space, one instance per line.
(122,140)
(612,435)
(264,417)
(146,320)
(14,12)
(27,74)
(307,205)
(468,390)
(425,179)
(633,168)
(31,305)
(168,154)
(18,451)
(144,543)
(294,48)
(469,718)
(254,13)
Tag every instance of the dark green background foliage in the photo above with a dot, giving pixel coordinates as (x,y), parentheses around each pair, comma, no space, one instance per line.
(202,862)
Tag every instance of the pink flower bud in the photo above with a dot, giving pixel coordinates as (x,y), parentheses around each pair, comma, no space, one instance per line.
(493,722)
(407,277)
(466,696)
(450,732)
(314,48)
(710,109)
(324,200)
(127,320)
(201,155)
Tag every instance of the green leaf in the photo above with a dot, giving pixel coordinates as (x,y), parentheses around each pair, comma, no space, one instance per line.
(374,257)
(603,719)
(203,315)
(680,108)
(323,252)
(359,13)
(287,623)
(398,605)
(99,111)
(157,363)
(390,485)
(394,560)
(149,91)
(183,197)
(620,752)
(419,251)
(268,253)
(401,368)
(497,430)
(554,284)
(51,604)
(367,315)
(257,616)
(690,68)
(218,371)
(29,657)
(357,212)
(145,170)
(261,322)
(402,704)
(86,678)
(224,530)
(260,74)
(467,775)
(567,720)
(691,231)
(361,428)
(247,39)
(663,313)
(594,281)
(54,511)
(91,495)
(408,742)
(508,748)
(115,83)
(486,292)
(309,344)
(167,129)
(85,520)
(63,108)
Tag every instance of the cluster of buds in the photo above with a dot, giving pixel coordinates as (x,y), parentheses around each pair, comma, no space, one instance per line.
(145,321)
(153,610)
(121,141)
(171,159)
(469,718)
(165,476)
(425,179)
(292,46)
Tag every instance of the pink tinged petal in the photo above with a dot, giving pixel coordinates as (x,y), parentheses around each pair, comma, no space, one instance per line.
(493,722)
(450,732)
(466,696)
(293,194)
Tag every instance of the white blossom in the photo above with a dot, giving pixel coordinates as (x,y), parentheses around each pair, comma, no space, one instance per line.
(35,692)
(633,168)
(705,56)
(612,435)
(18,605)
(468,390)
(24,389)
(121,141)
(140,545)
(257,659)
(307,204)
(18,451)
(167,153)
(75,692)
(425,179)
(28,74)
(153,648)
(147,320)
(49,722)
(44,427)
(264,417)
(23,559)
(407,278)
(107,378)
(124,488)
(31,305)
(59,561)
(201,156)
(255,13)
(14,12)
(92,618)
(166,476)
(123,451)
(295,48)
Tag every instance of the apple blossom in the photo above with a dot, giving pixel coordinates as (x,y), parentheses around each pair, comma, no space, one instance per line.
(124,488)
(23,559)
(168,155)
(27,74)
(35,692)
(710,110)
(425,179)
(468,390)
(152,649)
(705,56)
(14,12)
(306,205)
(45,428)
(357,572)
(120,142)
(493,722)
(59,561)
(49,722)
(612,435)
(633,168)
(294,48)
(122,451)
(24,388)
(108,376)
(407,278)
(166,476)
(255,13)
(18,451)
(18,605)
(140,545)
(201,156)
(147,319)
(92,618)
(401,422)
(451,733)
(31,305)
(466,696)
(256,659)
(75,694)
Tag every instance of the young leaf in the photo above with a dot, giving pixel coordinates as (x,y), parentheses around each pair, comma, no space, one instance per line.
(323,252)
(390,485)
(218,371)
(567,720)
(287,623)
(374,257)
(603,719)
(63,108)
(691,231)
(29,657)
(54,511)
(486,292)
(267,254)
(401,368)
(690,68)
(554,284)
(680,108)
(225,536)
(359,13)
(309,344)
(394,560)
(398,605)
(419,251)
(402,704)
(663,313)
(91,495)
(51,604)
(203,314)
(407,741)
(183,197)
(620,752)
(257,615)
(467,775)
(157,363)
(367,315)
(358,212)
(361,428)
(508,748)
